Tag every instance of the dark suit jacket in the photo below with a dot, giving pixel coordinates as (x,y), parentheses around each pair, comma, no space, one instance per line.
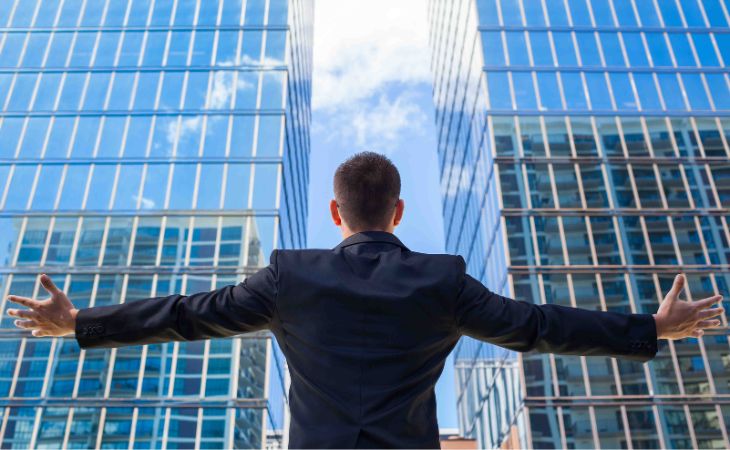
(366,328)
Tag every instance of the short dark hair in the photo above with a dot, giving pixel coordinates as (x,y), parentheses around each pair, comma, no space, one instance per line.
(367,189)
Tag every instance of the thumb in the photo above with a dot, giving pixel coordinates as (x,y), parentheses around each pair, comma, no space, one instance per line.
(48,285)
(676,287)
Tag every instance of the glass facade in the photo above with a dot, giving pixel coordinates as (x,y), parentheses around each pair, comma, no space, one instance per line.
(584,157)
(147,147)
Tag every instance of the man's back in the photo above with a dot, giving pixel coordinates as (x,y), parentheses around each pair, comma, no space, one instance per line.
(365,329)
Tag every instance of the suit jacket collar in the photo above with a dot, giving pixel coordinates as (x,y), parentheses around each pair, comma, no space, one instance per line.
(371,236)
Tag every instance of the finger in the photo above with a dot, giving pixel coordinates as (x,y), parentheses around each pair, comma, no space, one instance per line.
(698,333)
(707,302)
(47,283)
(708,324)
(676,287)
(710,313)
(39,333)
(24,313)
(25,324)
(25,301)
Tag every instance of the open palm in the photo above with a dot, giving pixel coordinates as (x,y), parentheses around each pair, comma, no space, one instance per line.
(678,319)
(54,316)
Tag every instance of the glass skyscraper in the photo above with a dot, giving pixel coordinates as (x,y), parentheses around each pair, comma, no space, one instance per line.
(147,147)
(584,157)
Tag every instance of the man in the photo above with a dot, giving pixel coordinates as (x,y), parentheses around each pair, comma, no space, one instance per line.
(366,326)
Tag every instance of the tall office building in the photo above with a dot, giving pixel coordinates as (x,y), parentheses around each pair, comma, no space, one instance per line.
(584,157)
(147,147)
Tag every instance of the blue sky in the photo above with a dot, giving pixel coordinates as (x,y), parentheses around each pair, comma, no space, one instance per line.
(372,91)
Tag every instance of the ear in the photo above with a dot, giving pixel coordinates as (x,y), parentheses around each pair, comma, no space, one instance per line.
(335,213)
(399,207)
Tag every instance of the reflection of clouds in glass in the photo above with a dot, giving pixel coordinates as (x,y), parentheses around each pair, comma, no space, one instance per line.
(223,87)
(180,129)
(145,203)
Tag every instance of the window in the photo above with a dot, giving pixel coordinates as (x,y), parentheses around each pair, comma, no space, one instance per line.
(635,50)
(102,181)
(547,82)
(682,50)
(237,182)
(96,91)
(658,49)
(542,54)
(518,55)
(646,88)
(612,49)
(47,188)
(598,91)
(671,91)
(564,49)
(695,91)
(622,91)
(499,95)
(575,94)
(493,49)
(705,50)
(127,194)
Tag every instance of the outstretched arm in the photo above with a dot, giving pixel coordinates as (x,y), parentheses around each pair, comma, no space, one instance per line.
(523,326)
(231,310)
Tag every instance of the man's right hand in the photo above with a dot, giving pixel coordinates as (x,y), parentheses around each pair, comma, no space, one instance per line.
(678,319)
(54,316)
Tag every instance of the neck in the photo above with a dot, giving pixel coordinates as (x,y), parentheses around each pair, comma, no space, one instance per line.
(346,232)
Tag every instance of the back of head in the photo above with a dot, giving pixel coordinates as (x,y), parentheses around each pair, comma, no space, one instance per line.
(367,189)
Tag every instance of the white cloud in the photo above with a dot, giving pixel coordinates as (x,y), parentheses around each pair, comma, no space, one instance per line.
(146,203)
(360,46)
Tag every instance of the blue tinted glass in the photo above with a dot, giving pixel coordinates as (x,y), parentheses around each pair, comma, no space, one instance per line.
(564,49)
(185,13)
(47,188)
(547,82)
(602,13)
(11,50)
(35,49)
(71,93)
(695,91)
(111,137)
(670,13)
(57,54)
(715,14)
(635,50)
(269,138)
(164,137)
(488,13)
(35,136)
(10,130)
(647,92)
(74,186)
(208,13)
(647,14)
(692,13)
(20,185)
(524,90)
(511,14)
(92,14)
(183,183)
(70,13)
(723,43)
(533,13)
(658,48)
(231,14)
(132,48)
(22,91)
(226,53)
(146,90)
(202,48)
(541,51)
(705,50)
(242,135)
(45,98)
(265,188)
(579,13)
(499,96)
(237,183)
(493,49)
(100,191)
(96,91)
(189,136)
(254,12)
(139,12)
(177,54)
(171,88)
(85,139)
(122,89)
(24,12)
(518,55)
(251,47)
(277,12)
(137,136)
(196,90)
(612,49)
(5,8)
(154,49)
(556,12)
(574,93)
(60,137)
(107,49)
(162,11)
(622,91)
(682,50)
(83,49)
(216,133)
(590,56)
(275,47)
(127,193)
(718,90)
(598,91)
(116,10)
(246,90)
(625,13)
(209,193)
(155,185)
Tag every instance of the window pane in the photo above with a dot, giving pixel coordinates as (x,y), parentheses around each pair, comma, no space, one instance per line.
(237,181)
(102,181)
(74,187)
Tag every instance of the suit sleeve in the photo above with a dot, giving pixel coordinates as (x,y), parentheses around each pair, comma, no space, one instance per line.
(231,310)
(523,326)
